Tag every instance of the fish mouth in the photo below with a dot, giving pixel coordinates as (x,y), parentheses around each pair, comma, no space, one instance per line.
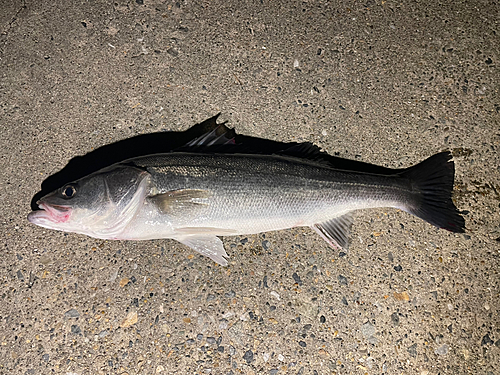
(50,213)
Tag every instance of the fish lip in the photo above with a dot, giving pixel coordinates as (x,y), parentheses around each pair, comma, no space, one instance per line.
(54,213)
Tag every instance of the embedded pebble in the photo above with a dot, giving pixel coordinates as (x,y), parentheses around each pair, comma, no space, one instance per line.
(223,324)
(368,330)
(72,314)
(129,320)
(442,350)
(412,350)
(275,294)
(395,318)
(342,280)
(103,333)
(248,356)
(487,340)
(211,340)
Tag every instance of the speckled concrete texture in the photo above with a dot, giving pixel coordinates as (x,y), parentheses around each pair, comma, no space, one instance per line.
(385,82)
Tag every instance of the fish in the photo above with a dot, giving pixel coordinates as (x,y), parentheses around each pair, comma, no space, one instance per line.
(201,191)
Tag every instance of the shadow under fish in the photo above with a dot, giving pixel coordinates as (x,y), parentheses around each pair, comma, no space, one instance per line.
(208,181)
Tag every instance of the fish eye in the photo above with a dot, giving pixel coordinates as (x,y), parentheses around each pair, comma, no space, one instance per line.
(69,191)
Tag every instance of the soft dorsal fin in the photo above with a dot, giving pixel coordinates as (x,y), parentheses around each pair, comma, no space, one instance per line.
(336,231)
(306,150)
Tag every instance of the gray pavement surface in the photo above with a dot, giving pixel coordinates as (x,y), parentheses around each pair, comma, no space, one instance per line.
(385,82)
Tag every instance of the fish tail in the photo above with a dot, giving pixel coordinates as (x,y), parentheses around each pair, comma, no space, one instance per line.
(432,185)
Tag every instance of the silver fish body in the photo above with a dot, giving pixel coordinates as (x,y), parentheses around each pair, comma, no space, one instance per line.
(246,194)
(195,197)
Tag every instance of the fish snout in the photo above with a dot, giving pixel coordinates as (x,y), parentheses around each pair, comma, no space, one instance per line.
(49,212)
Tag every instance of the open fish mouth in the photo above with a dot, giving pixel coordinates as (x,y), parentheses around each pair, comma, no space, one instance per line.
(50,214)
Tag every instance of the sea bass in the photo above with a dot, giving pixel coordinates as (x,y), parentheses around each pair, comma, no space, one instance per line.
(196,196)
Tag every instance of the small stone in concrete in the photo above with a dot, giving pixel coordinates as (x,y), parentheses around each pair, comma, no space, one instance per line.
(412,350)
(248,356)
(342,280)
(103,333)
(395,318)
(223,324)
(75,329)
(487,340)
(442,350)
(296,278)
(368,330)
(211,340)
(72,314)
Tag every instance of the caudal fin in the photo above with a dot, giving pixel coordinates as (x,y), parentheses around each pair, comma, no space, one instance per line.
(432,182)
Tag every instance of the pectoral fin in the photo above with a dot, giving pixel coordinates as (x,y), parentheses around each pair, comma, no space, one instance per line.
(209,246)
(336,231)
(181,201)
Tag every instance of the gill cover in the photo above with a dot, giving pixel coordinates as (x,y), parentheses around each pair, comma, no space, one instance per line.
(99,205)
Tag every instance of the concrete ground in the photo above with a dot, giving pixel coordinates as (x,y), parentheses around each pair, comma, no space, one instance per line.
(385,82)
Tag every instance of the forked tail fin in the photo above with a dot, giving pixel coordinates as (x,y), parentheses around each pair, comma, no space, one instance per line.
(432,183)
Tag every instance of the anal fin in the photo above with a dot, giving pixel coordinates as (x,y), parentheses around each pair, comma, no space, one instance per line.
(207,245)
(336,231)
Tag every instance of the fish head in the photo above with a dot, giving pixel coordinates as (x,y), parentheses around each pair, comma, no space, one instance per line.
(99,205)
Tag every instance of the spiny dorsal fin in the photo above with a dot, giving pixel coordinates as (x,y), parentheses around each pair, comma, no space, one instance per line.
(220,136)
